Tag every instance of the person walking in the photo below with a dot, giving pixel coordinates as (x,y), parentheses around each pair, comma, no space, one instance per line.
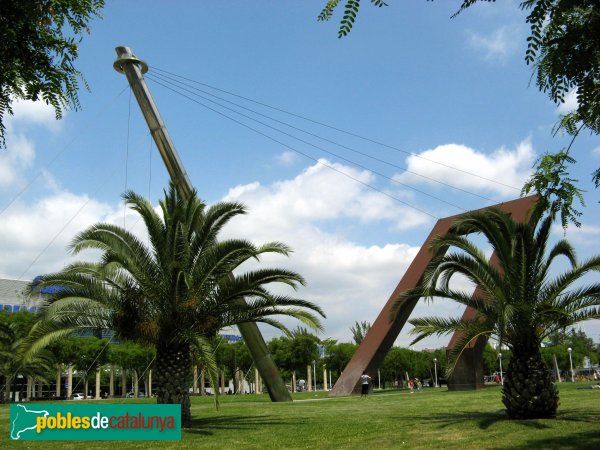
(365,379)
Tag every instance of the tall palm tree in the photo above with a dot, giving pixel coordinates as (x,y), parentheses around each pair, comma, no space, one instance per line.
(175,292)
(518,303)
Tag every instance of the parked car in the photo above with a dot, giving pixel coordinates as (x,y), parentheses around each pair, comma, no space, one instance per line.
(140,394)
(78,396)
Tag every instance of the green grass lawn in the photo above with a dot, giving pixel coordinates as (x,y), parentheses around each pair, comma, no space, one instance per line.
(433,418)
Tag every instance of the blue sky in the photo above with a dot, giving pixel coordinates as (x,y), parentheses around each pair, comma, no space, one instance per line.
(456,91)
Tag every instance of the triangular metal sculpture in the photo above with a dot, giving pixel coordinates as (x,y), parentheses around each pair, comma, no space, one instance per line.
(380,338)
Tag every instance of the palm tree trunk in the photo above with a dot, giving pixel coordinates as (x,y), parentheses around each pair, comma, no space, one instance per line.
(8,379)
(58,380)
(123,382)
(173,367)
(195,388)
(136,383)
(29,393)
(97,393)
(528,391)
(111,383)
(69,382)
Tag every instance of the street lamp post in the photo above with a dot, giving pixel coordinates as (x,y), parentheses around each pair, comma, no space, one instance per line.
(501,374)
(570,350)
(435,370)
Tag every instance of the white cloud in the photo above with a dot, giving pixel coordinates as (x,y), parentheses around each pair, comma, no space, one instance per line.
(18,155)
(349,280)
(497,46)
(596,151)
(505,166)
(38,113)
(287,158)
(20,149)
(586,237)
(319,193)
(27,230)
(569,105)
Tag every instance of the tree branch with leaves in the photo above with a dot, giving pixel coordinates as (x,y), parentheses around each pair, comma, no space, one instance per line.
(563,48)
(39,43)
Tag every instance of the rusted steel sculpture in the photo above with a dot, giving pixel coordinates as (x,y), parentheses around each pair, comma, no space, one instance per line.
(384,332)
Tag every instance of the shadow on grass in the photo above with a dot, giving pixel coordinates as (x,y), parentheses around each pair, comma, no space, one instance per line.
(485,420)
(204,426)
(584,439)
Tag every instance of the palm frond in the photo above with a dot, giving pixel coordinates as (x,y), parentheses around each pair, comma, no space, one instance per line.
(204,351)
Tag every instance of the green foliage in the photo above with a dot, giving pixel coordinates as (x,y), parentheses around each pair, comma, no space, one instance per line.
(232,356)
(14,328)
(466,4)
(565,50)
(65,350)
(417,364)
(39,42)
(581,345)
(338,356)
(557,189)
(517,302)
(296,352)
(359,330)
(130,355)
(490,359)
(90,353)
(350,11)
(328,10)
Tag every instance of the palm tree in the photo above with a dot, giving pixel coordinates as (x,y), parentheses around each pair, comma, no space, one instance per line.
(359,330)
(175,292)
(13,334)
(518,302)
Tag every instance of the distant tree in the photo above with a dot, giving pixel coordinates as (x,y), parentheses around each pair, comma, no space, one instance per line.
(135,357)
(233,356)
(359,330)
(14,328)
(295,352)
(417,364)
(338,356)
(280,350)
(581,346)
(39,42)
(395,365)
(66,352)
(91,353)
